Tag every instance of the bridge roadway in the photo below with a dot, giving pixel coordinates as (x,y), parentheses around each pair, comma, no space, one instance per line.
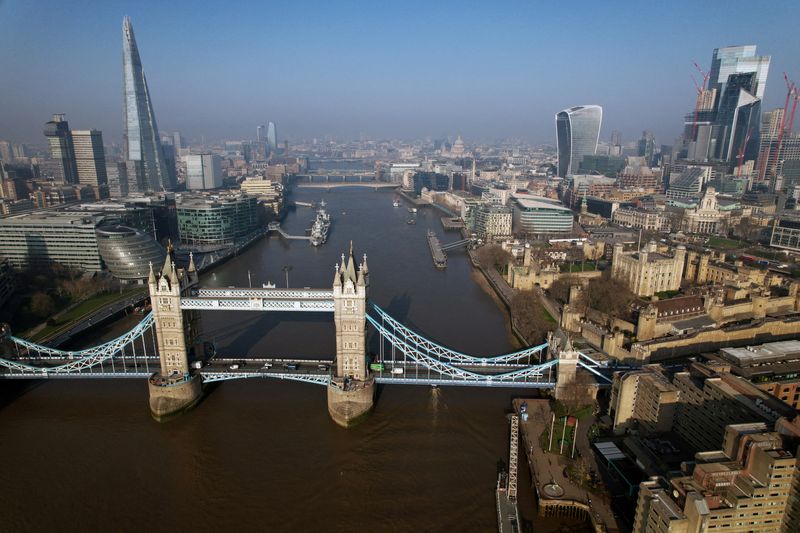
(311,300)
(308,370)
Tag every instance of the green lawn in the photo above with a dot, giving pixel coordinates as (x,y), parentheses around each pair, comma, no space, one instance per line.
(84,308)
(587,266)
(725,244)
(666,295)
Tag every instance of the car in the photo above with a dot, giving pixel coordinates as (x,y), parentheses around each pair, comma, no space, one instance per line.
(291,366)
(234,366)
(322,367)
(397,370)
(267,365)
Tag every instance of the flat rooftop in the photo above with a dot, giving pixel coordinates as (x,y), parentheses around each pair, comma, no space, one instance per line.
(763,354)
(49,218)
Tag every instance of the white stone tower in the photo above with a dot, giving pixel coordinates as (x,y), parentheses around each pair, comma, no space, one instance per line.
(350,308)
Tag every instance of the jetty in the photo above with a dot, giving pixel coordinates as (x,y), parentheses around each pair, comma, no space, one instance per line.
(438,255)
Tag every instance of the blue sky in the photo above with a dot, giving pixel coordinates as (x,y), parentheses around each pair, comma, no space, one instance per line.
(485,70)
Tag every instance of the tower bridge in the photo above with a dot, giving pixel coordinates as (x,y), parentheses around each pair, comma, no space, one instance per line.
(165,349)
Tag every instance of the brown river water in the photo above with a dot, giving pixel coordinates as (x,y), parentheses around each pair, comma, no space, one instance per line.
(260,455)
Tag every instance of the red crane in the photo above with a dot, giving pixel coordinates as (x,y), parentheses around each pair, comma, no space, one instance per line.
(740,155)
(700,89)
(791,90)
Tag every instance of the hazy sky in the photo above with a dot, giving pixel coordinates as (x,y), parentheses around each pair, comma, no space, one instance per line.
(484,70)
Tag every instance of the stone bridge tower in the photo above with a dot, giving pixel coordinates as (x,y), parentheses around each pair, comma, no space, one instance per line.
(350,393)
(173,389)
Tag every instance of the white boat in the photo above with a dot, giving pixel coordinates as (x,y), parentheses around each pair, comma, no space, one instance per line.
(396,203)
(412,209)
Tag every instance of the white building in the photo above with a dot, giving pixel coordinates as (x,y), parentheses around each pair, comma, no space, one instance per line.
(203,171)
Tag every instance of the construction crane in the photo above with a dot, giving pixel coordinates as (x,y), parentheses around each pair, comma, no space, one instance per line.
(700,90)
(740,155)
(791,90)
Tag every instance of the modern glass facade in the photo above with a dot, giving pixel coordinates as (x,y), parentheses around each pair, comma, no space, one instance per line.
(62,151)
(577,133)
(140,132)
(128,252)
(216,222)
(272,136)
(541,215)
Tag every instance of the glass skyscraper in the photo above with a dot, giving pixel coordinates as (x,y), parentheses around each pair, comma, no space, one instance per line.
(272,137)
(577,133)
(140,132)
(62,152)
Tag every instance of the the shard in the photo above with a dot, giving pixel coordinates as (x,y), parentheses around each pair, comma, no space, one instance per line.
(143,154)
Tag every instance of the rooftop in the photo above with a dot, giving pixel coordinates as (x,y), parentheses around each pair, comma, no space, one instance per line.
(539,202)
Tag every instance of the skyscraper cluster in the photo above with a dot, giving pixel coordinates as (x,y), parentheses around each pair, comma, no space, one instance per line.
(725,125)
(77,156)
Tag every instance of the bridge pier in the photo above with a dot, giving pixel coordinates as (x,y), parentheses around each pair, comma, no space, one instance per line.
(352,389)
(168,399)
(350,402)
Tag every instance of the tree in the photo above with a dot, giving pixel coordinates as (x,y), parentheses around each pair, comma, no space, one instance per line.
(42,305)
(559,289)
(528,314)
(576,394)
(610,296)
(493,256)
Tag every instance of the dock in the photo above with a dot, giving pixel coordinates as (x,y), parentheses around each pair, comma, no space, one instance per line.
(274,226)
(508,520)
(438,255)
(452,223)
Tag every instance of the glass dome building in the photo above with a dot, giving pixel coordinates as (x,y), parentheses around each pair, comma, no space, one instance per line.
(128,252)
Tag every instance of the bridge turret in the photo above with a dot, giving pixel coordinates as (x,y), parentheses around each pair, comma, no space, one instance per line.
(351,391)
(173,388)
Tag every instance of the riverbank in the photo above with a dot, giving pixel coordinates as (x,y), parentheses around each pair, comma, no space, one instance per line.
(504,296)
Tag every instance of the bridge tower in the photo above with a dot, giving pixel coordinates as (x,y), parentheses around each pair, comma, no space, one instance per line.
(560,348)
(350,394)
(173,388)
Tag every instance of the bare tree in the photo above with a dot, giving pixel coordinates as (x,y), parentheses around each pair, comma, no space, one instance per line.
(493,256)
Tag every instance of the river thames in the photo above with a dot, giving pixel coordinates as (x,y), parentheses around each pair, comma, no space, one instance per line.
(261,455)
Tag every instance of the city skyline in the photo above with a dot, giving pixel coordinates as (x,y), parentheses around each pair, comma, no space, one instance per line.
(225,83)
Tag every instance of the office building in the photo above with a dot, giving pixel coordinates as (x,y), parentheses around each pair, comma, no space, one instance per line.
(750,485)
(643,400)
(128,252)
(577,133)
(117,175)
(492,221)
(142,146)
(210,222)
(773,367)
(90,158)
(261,133)
(62,151)
(272,137)
(727,122)
(711,400)
(203,171)
(44,238)
(646,219)
(538,215)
